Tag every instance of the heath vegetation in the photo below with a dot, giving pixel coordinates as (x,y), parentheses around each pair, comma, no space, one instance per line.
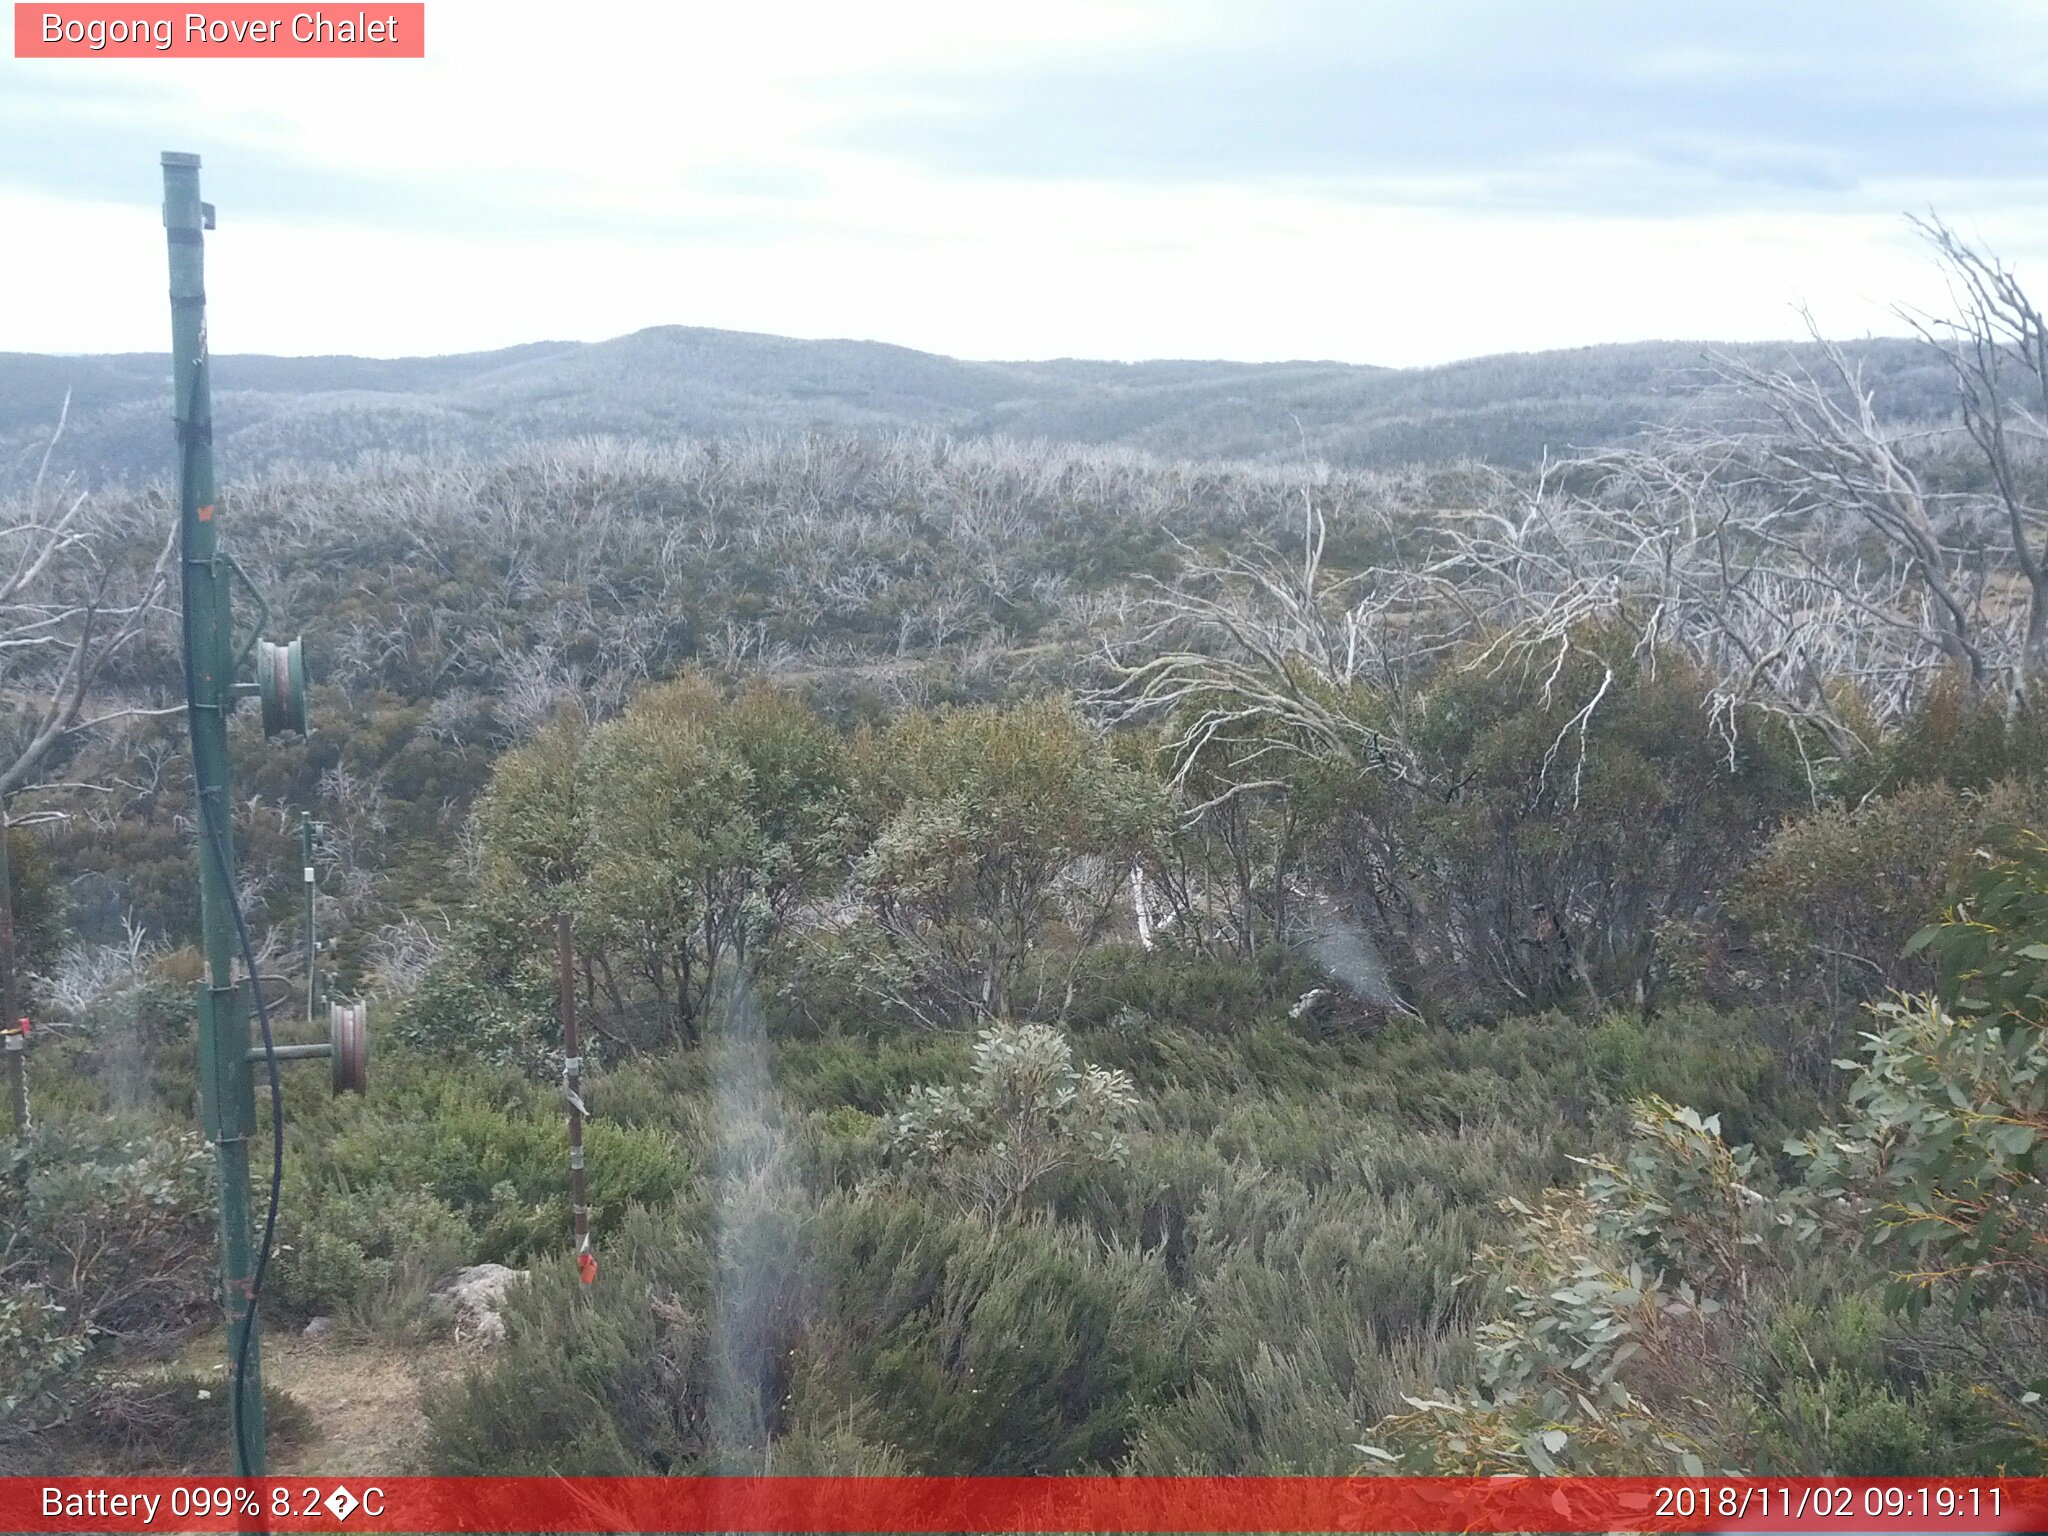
(1092,961)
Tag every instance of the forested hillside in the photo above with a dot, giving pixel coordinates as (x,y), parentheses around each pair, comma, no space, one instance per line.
(1094,961)
(679,382)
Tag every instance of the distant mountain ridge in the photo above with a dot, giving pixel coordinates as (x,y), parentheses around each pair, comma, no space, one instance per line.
(682,381)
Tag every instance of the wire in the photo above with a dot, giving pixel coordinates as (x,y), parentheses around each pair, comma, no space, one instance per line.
(217,844)
(276,1147)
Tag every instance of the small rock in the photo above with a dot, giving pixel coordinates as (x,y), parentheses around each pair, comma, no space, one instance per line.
(1310,1001)
(477,1295)
(319,1328)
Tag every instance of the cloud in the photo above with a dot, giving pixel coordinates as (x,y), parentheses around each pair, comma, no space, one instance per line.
(526,117)
(1579,107)
(1121,178)
(101,145)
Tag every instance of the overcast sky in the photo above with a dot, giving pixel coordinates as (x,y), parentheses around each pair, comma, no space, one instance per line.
(1257,179)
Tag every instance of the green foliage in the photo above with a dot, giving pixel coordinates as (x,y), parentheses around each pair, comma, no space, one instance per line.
(341,1249)
(487,997)
(1208,994)
(1868,1430)
(1027,1112)
(990,1349)
(845,979)
(1311,1305)
(105,1229)
(1992,948)
(680,837)
(864,1073)
(1002,841)
(1674,1311)
(1941,1158)
(1731,1066)
(1968,741)
(1852,1390)
(108,1211)
(44,1353)
(1683,1200)
(1835,898)
(130,1044)
(38,904)
(1560,818)
(591,1380)
(950,1343)
(1607,1316)
(501,1169)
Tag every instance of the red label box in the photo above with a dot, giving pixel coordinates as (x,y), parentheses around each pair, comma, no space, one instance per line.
(61,30)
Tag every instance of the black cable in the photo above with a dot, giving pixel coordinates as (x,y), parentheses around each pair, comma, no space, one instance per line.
(217,844)
(276,1144)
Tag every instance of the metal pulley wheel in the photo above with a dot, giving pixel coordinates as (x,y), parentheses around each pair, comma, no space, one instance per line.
(281,680)
(348,1029)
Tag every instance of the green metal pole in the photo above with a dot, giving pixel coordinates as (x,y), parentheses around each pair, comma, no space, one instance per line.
(226,1086)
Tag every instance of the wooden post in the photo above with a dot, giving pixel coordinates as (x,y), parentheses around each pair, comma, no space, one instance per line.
(16,1039)
(572,1089)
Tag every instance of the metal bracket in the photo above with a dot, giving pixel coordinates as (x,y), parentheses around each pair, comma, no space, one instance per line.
(262,608)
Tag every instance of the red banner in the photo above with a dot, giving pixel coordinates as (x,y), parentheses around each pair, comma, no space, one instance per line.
(224,31)
(1048,1504)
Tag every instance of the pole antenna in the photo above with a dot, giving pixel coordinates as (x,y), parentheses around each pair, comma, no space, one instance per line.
(213,658)
(226,1086)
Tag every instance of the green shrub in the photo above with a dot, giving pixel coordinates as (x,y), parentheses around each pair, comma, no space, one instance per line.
(341,1248)
(846,980)
(719,1333)
(1830,905)
(116,1218)
(1610,1297)
(108,1240)
(485,999)
(864,1073)
(1027,1111)
(1203,994)
(592,1380)
(168,1422)
(1723,1064)
(986,1349)
(44,1354)
(37,904)
(1000,849)
(1561,815)
(507,1175)
(1849,1427)
(1939,1161)
(1951,737)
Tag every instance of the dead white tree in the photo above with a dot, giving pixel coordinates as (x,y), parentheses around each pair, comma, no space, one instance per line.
(1680,548)
(78,590)
(1251,658)
(1973,550)
(1826,454)
(1996,344)
(1810,565)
